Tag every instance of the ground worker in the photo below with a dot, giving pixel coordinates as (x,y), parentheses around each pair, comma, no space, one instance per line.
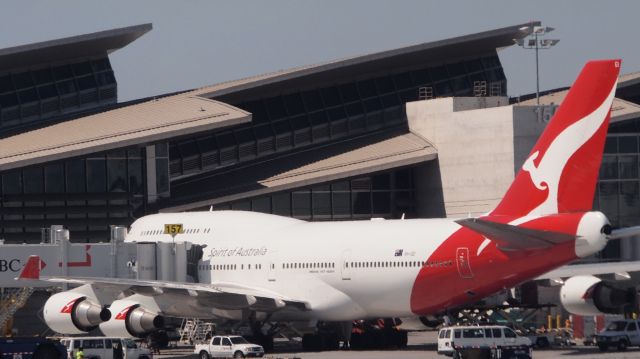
(80,353)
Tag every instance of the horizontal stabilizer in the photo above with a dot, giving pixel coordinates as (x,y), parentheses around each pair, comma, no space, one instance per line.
(511,237)
(624,232)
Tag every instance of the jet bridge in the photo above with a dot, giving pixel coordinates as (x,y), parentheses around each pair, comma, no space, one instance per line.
(115,258)
(170,261)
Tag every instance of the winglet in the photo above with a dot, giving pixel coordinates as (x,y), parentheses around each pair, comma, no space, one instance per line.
(32,269)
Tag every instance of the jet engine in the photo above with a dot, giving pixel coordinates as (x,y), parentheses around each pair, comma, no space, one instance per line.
(131,319)
(74,313)
(589,295)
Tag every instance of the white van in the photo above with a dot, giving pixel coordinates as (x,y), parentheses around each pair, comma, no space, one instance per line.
(491,336)
(105,348)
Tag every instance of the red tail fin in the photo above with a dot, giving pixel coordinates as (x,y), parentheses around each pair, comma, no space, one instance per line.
(31,270)
(561,171)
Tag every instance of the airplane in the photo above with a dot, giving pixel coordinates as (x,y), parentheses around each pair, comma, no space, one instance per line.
(263,268)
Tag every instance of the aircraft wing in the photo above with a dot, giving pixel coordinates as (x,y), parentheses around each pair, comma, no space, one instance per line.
(222,295)
(617,270)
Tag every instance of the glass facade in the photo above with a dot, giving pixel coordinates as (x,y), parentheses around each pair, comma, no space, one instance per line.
(618,190)
(29,96)
(87,195)
(384,195)
(315,116)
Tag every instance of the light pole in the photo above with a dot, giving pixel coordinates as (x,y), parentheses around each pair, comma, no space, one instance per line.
(534,42)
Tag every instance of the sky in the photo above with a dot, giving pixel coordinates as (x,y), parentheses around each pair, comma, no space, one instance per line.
(196,43)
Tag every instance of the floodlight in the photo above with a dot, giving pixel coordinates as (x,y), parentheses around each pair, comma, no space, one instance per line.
(534,41)
(548,42)
(538,30)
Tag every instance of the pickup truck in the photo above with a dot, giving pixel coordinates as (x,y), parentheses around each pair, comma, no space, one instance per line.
(620,334)
(228,346)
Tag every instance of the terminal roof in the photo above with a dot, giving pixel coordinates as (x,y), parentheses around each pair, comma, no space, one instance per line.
(621,110)
(180,114)
(146,122)
(66,49)
(629,79)
(429,52)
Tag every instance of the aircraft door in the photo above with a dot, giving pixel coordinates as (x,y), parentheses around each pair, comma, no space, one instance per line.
(273,267)
(462,262)
(344,266)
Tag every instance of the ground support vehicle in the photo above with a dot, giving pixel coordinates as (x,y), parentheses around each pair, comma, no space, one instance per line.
(27,348)
(620,334)
(462,339)
(228,346)
(105,348)
(485,352)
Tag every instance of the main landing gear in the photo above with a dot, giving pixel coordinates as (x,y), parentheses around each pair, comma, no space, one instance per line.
(359,335)
(327,337)
(380,334)
(262,334)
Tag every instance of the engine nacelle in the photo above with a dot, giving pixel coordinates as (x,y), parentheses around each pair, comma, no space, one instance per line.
(589,295)
(130,319)
(74,313)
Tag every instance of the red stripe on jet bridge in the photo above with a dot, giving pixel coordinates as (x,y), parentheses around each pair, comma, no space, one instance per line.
(86,263)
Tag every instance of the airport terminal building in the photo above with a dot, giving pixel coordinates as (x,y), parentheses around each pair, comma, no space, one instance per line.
(420,131)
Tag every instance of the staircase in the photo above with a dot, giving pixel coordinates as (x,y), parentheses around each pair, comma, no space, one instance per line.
(203,329)
(11,300)
(194,331)
(186,328)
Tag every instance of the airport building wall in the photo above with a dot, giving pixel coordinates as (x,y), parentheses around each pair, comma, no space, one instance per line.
(449,97)
(450,94)
(481,144)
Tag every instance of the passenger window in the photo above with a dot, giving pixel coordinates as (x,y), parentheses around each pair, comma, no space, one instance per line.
(94,344)
(632,327)
(508,333)
(473,333)
(216,341)
(226,341)
(497,333)
(456,333)
(107,343)
(487,333)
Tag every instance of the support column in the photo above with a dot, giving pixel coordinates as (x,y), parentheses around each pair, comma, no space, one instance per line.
(152,189)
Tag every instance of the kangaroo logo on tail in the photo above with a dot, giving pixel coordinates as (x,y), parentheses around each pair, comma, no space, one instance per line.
(546,175)
(561,171)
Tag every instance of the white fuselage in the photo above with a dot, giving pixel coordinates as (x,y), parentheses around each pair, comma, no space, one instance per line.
(352,269)
(344,270)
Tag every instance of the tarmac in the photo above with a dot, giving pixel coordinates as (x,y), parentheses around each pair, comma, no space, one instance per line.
(421,345)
